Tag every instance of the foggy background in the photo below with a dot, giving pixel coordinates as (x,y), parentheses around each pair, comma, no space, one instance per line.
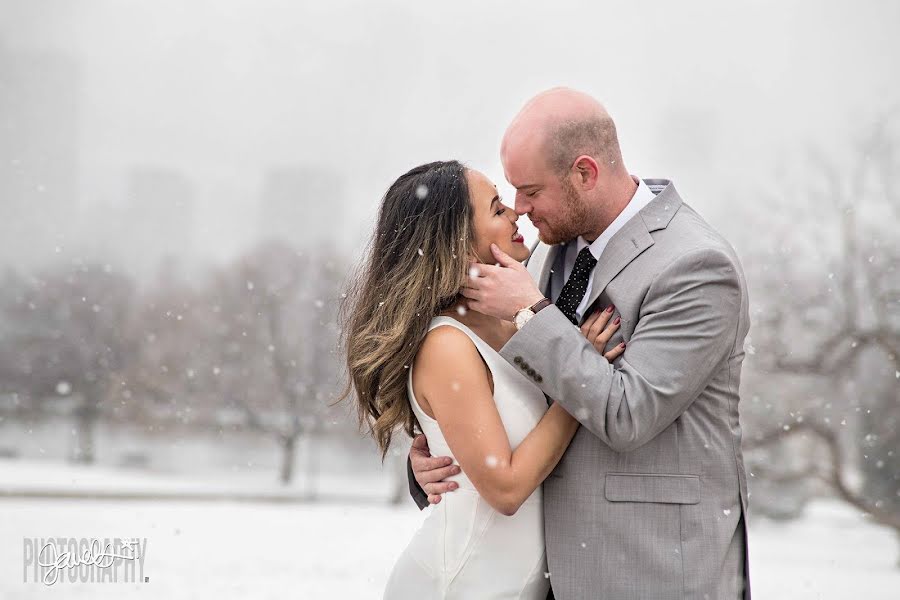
(215,97)
(185,185)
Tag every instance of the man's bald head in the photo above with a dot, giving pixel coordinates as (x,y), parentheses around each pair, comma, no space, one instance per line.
(563,124)
(562,155)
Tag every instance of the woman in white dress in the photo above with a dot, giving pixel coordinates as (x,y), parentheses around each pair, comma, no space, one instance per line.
(417,359)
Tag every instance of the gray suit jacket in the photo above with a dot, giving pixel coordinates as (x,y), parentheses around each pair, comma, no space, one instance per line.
(648,500)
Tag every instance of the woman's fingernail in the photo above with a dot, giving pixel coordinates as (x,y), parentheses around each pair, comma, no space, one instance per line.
(616,322)
(623,345)
(610,308)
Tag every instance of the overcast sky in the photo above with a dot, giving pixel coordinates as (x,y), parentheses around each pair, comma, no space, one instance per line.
(702,92)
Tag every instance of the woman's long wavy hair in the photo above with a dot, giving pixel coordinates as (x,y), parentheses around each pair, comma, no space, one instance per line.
(415,266)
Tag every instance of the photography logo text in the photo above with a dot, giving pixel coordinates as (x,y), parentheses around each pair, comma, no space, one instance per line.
(60,560)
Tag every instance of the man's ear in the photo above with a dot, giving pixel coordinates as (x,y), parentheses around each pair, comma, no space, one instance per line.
(587,172)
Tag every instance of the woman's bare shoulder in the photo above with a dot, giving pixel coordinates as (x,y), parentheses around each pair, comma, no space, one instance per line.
(445,346)
(449,359)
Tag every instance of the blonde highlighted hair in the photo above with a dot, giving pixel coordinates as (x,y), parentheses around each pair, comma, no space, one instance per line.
(414,268)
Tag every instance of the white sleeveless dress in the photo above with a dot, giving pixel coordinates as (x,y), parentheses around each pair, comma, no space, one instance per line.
(465,549)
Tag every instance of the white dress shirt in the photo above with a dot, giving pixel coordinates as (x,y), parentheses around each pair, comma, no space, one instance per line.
(642,197)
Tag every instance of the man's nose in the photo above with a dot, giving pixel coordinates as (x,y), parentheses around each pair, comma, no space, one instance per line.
(521,206)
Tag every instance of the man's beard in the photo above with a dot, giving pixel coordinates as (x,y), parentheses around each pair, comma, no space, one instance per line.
(570,222)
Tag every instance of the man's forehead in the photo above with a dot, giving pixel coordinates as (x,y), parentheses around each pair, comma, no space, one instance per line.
(522,136)
(521,163)
(511,169)
(521,181)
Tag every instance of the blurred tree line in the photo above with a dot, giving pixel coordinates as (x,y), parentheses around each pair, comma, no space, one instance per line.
(251,345)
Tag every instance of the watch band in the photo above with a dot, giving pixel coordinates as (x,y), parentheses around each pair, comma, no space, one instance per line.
(542,303)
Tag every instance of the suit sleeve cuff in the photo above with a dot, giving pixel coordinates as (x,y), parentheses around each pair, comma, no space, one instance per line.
(534,336)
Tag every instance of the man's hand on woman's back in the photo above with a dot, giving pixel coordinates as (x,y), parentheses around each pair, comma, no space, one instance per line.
(430,471)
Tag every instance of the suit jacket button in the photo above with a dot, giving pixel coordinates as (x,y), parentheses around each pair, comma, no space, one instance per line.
(518,360)
(539,379)
(530,371)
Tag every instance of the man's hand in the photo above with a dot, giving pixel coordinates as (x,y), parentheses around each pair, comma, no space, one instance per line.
(430,471)
(500,290)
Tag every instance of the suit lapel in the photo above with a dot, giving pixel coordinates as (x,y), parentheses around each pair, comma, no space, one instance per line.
(623,248)
(540,262)
(634,237)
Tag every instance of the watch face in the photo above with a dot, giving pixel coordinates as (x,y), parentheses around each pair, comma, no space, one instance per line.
(522,317)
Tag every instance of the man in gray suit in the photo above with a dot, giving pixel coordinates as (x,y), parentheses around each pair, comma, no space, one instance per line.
(649,500)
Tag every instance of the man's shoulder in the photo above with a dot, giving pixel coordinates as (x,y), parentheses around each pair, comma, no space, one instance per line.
(690,243)
(689,231)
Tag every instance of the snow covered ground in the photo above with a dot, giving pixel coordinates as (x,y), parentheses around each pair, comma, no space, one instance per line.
(227,549)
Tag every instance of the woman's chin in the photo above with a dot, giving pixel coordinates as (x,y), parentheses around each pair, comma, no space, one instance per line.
(519,251)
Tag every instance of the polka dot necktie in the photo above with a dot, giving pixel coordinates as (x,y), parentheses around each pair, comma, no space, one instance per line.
(573,292)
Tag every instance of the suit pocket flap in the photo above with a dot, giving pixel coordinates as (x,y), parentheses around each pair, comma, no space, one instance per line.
(655,487)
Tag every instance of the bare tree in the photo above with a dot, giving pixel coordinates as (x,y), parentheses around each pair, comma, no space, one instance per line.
(176,381)
(66,329)
(276,304)
(830,316)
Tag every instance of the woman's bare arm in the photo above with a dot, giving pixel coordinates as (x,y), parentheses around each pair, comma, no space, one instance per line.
(455,384)
(430,474)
